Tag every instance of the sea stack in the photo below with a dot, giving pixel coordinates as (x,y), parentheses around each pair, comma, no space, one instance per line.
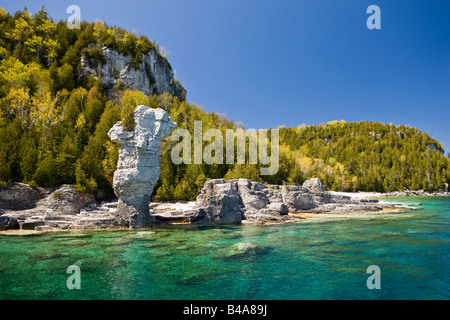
(138,165)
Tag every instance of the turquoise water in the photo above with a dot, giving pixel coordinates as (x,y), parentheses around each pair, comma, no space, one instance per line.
(320,259)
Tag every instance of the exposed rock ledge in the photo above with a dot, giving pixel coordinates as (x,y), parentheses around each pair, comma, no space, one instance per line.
(220,202)
(152,75)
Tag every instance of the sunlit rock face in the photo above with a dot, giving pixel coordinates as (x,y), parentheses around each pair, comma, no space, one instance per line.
(153,75)
(315,185)
(138,165)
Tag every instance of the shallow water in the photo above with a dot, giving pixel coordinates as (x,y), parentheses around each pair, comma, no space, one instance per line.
(316,259)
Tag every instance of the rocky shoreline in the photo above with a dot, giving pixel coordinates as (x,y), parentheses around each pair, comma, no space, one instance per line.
(394,194)
(220,202)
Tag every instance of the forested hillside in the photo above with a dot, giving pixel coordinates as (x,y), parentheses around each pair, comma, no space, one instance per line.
(367,156)
(54,121)
(54,118)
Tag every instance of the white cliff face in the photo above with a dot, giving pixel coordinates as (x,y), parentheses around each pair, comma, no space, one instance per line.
(153,75)
(138,165)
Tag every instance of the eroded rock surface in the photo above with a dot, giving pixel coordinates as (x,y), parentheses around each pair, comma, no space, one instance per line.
(152,76)
(138,165)
(20,196)
(314,184)
(65,200)
(57,208)
(220,202)
(231,201)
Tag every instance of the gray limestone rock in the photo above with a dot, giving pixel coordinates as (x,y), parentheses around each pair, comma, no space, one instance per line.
(297,199)
(138,165)
(152,75)
(220,209)
(65,200)
(281,208)
(314,184)
(8,223)
(252,193)
(229,201)
(218,202)
(20,196)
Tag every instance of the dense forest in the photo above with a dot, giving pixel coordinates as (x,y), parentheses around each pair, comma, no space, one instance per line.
(367,156)
(54,122)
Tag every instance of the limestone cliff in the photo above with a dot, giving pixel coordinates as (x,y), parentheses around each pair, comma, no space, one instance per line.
(153,75)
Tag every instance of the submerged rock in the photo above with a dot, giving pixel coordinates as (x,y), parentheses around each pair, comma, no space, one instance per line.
(138,165)
(243,250)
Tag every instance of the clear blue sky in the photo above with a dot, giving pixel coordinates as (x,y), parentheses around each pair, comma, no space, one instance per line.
(270,63)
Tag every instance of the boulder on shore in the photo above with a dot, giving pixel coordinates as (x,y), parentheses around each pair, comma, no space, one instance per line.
(65,200)
(8,223)
(231,201)
(314,184)
(218,202)
(20,196)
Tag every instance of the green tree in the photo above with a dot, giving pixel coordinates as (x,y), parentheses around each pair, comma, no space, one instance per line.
(83,183)
(128,103)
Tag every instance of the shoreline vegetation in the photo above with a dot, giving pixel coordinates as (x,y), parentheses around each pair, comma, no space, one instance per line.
(392,194)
